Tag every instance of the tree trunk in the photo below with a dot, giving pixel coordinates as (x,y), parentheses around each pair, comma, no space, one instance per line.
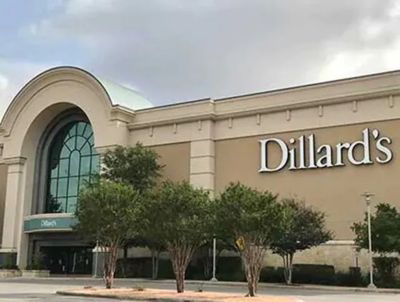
(157,264)
(153,260)
(253,257)
(110,262)
(207,264)
(180,255)
(180,280)
(155,256)
(125,261)
(288,267)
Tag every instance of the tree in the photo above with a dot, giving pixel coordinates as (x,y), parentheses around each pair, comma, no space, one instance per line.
(385,227)
(178,219)
(385,235)
(248,219)
(304,228)
(136,166)
(109,213)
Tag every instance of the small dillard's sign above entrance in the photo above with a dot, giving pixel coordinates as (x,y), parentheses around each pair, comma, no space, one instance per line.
(47,223)
(304,153)
(35,223)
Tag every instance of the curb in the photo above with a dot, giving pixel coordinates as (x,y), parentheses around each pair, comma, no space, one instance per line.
(235,284)
(274,285)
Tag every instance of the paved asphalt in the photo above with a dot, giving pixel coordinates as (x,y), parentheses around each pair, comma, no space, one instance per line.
(40,290)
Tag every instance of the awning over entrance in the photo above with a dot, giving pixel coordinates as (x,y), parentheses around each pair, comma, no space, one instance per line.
(52,222)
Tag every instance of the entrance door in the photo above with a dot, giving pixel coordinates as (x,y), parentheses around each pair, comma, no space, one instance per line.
(67,259)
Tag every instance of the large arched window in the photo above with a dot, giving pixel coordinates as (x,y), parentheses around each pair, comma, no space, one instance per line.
(72,162)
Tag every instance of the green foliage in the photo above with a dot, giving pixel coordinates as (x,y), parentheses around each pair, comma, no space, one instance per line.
(178,218)
(314,274)
(304,228)
(178,214)
(385,230)
(37,262)
(136,166)
(8,260)
(249,219)
(385,268)
(230,269)
(245,216)
(108,212)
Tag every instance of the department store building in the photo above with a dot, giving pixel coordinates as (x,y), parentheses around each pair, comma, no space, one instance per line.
(325,143)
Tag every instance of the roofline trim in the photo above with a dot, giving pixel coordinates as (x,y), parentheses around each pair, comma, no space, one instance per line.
(37,78)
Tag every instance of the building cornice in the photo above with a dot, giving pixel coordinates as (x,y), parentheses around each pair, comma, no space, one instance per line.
(175,120)
(18,160)
(310,103)
(122,114)
(103,149)
(215,113)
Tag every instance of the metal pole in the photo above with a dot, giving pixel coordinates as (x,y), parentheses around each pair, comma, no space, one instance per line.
(214,278)
(371,267)
(95,259)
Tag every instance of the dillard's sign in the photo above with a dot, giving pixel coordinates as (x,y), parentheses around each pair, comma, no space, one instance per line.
(303,153)
(45,223)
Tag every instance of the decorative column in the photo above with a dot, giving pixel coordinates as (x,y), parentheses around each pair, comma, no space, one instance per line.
(202,164)
(13,220)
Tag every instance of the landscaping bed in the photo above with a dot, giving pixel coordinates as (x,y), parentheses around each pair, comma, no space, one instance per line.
(139,294)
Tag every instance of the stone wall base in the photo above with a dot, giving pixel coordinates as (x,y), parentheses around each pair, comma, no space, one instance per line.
(9,273)
(35,273)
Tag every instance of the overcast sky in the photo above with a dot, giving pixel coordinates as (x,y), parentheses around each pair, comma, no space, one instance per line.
(177,50)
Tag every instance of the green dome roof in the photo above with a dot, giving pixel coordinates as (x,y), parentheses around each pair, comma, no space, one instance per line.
(124,96)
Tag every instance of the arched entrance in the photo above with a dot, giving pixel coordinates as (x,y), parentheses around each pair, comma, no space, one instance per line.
(66,161)
(47,163)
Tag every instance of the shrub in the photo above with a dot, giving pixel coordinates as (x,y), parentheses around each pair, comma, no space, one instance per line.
(313,273)
(272,274)
(303,273)
(8,262)
(352,278)
(142,268)
(133,268)
(230,269)
(385,270)
(37,262)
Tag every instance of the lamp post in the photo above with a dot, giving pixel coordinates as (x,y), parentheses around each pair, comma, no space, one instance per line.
(214,278)
(367,196)
(96,259)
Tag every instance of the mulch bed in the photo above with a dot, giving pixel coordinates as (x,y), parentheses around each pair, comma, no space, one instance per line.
(140,294)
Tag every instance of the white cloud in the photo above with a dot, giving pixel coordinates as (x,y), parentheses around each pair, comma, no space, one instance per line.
(395,11)
(13,75)
(3,82)
(372,46)
(177,50)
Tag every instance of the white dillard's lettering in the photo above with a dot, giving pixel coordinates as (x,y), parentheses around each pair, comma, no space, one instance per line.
(325,156)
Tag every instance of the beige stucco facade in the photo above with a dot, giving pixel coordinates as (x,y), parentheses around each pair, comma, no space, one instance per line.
(213,142)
